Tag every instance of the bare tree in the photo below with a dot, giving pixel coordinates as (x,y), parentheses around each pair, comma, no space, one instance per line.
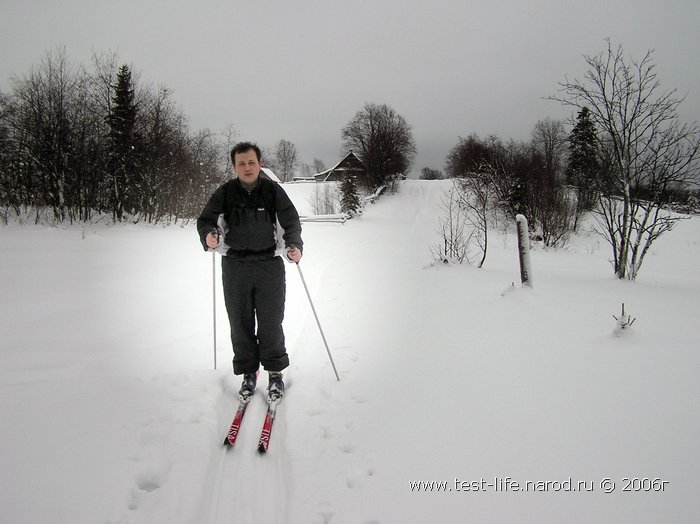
(319,165)
(475,158)
(476,194)
(161,136)
(325,199)
(102,80)
(382,140)
(549,138)
(44,102)
(204,173)
(8,189)
(231,136)
(454,230)
(646,151)
(286,160)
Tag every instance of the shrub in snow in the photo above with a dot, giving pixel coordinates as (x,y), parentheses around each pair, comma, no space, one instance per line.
(325,199)
(623,321)
(454,230)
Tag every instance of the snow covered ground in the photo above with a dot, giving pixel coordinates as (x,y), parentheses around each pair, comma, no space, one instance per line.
(462,399)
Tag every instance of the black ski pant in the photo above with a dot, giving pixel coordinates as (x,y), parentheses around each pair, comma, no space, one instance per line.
(255,289)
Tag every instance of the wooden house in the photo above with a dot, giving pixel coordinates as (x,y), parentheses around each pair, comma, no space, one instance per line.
(348,166)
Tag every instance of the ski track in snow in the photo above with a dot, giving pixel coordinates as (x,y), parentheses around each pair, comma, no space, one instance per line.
(247,486)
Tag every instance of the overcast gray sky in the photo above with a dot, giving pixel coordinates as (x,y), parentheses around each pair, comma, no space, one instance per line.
(300,69)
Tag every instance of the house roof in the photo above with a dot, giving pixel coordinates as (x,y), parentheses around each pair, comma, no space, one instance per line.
(340,166)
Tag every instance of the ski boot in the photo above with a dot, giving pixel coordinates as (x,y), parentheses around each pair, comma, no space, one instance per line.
(247,387)
(275,387)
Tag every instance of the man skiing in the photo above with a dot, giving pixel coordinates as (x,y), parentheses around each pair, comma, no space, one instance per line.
(241,217)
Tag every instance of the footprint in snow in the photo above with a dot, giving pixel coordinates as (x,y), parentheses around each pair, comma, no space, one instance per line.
(146,483)
(347,449)
(356,482)
(326,516)
(314,412)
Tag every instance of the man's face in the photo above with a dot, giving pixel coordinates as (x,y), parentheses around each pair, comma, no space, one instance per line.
(247,167)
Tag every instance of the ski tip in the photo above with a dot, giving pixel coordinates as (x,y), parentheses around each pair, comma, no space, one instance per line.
(262,449)
(227,443)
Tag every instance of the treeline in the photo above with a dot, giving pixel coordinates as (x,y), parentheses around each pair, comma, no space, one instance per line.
(540,179)
(77,142)
(554,179)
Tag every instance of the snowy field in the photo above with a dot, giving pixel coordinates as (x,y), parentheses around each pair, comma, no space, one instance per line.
(462,399)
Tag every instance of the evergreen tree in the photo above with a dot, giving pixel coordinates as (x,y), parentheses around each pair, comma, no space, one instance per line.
(122,141)
(350,200)
(584,167)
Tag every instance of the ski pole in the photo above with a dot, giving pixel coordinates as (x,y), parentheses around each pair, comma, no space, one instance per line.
(213,277)
(303,281)
(217,233)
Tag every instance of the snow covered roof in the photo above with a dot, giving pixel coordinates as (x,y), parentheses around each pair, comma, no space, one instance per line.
(269,173)
(350,163)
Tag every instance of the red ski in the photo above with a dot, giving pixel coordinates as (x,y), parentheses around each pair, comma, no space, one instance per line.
(267,427)
(230,439)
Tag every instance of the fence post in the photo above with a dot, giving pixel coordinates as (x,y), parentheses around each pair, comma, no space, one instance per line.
(524,251)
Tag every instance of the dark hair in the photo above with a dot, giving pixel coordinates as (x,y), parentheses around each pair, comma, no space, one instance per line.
(244,147)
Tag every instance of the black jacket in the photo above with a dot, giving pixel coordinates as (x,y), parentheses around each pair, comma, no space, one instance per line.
(251,217)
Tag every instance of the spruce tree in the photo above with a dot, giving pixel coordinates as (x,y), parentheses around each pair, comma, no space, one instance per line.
(122,140)
(350,200)
(584,167)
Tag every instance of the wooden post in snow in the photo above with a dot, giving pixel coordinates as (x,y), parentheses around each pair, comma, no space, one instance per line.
(524,251)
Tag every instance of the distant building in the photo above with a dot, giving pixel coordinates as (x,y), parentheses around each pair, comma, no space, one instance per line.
(270,174)
(348,166)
